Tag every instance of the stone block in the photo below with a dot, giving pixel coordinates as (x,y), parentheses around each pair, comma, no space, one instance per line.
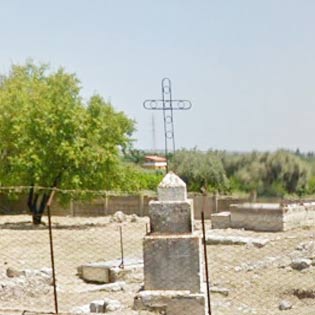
(269,217)
(97,306)
(257,217)
(171,217)
(172,188)
(172,262)
(96,272)
(300,263)
(171,302)
(221,220)
(109,271)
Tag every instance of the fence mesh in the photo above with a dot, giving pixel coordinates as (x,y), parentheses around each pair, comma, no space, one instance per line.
(256,279)
(99,268)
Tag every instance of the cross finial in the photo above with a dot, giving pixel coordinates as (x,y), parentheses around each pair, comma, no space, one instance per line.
(167,104)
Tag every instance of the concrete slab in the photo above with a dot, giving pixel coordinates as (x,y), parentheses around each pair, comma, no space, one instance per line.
(235,240)
(221,220)
(109,271)
(171,217)
(171,302)
(172,262)
(257,217)
(97,272)
(272,217)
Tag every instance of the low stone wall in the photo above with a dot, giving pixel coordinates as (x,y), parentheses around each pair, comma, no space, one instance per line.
(257,217)
(266,217)
(130,204)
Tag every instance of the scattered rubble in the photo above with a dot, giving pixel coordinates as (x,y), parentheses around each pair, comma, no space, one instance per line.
(245,309)
(300,263)
(134,218)
(118,217)
(121,217)
(17,283)
(304,293)
(267,262)
(85,309)
(306,246)
(285,305)
(12,272)
(222,291)
(98,306)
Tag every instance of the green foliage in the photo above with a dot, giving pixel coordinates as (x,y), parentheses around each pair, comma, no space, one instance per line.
(289,170)
(46,131)
(49,136)
(270,174)
(199,170)
(135,156)
(134,178)
(311,185)
(266,174)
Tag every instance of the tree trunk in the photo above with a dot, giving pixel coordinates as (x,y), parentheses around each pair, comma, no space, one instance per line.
(32,202)
(36,209)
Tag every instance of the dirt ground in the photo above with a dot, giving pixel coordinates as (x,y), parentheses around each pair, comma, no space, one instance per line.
(256,279)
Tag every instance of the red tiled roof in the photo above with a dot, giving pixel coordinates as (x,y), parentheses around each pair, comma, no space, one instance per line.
(155,158)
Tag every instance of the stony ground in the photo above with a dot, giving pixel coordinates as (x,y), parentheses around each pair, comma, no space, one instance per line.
(248,279)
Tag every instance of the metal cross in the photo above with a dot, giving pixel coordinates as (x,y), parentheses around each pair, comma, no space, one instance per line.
(167,105)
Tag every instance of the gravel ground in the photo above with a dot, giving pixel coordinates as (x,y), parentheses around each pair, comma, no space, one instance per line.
(256,280)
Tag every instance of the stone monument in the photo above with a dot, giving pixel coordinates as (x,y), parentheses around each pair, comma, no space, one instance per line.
(172,255)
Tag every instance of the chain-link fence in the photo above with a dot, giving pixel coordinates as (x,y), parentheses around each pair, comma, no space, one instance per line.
(263,273)
(95,258)
(125,264)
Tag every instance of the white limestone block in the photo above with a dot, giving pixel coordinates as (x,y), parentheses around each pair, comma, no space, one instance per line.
(172,188)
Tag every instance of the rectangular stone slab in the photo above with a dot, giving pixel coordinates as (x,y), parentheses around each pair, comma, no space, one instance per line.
(172,262)
(257,217)
(171,302)
(235,240)
(221,220)
(99,274)
(171,216)
(108,271)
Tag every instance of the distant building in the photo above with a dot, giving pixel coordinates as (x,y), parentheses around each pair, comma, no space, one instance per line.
(155,162)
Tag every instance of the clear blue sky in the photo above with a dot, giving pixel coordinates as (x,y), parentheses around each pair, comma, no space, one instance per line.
(248,66)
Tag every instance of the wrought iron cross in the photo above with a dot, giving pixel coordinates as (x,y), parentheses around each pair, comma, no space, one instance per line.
(167,105)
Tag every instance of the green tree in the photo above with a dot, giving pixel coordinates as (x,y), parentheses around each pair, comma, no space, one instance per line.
(135,156)
(200,169)
(251,177)
(135,178)
(49,137)
(286,171)
(274,174)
